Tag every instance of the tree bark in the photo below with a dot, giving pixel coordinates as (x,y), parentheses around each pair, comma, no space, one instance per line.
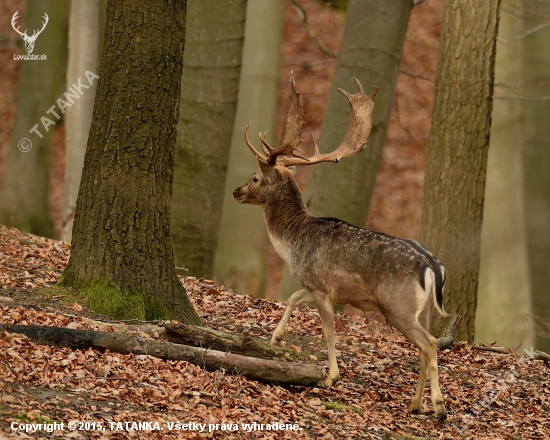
(371,50)
(210,85)
(122,258)
(83,56)
(252,368)
(504,295)
(240,261)
(455,178)
(24,202)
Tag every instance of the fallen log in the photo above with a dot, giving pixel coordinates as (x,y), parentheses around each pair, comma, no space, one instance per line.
(448,335)
(217,340)
(500,350)
(542,355)
(252,368)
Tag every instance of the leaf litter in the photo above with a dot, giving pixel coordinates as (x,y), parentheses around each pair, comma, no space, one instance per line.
(488,395)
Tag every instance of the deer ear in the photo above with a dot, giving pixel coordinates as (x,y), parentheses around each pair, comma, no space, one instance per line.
(265,167)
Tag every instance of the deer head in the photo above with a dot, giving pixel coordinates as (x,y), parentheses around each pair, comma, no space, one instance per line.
(29,40)
(273,165)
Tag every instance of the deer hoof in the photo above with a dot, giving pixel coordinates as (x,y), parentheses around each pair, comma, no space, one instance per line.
(331,380)
(276,340)
(440,411)
(415,408)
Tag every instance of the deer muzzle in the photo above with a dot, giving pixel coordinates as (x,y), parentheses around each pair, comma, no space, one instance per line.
(239,194)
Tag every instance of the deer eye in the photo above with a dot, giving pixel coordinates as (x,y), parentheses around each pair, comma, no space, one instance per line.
(255,179)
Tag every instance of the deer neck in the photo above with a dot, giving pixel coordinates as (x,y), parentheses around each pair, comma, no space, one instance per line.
(285,213)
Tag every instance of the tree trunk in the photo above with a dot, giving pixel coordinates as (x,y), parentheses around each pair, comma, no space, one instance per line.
(537,174)
(24,192)
(210,85)
(504,297)
(371,51)
(455,178)
(122,258)
(241,255)
(83,56)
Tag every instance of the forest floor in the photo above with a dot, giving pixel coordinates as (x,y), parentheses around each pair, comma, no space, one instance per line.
(488,395)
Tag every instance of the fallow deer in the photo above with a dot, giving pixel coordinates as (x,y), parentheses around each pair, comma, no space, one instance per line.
(337,263)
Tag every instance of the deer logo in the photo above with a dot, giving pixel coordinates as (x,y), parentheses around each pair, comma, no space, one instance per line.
(29,40)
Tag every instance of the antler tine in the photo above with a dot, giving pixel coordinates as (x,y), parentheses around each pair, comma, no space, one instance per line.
(265,146)
(38,32)
(13,20)
(360,126)
(294,121)
(259,155)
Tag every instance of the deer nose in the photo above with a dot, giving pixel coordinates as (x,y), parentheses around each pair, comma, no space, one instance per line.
(236,192)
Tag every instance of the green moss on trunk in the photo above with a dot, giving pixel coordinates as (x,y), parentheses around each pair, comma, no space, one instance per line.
(122,256)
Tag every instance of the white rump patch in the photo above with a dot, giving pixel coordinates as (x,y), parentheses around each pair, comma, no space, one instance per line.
(423,295)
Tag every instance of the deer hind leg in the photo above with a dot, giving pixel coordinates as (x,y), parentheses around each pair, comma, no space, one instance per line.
(296,298)
(416,405)
(428,350)
(326,311)
(407,318)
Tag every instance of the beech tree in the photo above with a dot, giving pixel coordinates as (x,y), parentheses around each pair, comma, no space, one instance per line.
(454,187)
(122,259)
(536,58)
(210,85)
(83,57)
(504,294)
(240,261)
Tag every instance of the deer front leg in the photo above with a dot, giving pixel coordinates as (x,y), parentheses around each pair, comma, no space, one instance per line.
(296,298)
(326,310)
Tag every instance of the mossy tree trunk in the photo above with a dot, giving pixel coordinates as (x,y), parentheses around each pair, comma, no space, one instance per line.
(210,85)
(537,171)
(24,202)
(241,255)
(504,295)
(122,258)
(371,50)
(459,140)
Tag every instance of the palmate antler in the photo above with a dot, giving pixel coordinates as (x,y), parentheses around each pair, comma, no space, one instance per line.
(354,142)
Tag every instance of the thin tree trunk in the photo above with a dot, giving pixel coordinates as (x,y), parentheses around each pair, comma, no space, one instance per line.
(122,258)
(371,51)
(24,193)
(455,178)
(83,56)
(504,294)
(210,85)
(537,174)
(241,255)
